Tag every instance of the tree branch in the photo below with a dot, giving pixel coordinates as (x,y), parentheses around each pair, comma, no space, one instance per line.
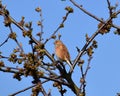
(109,7)
(88,42)
(23,90)
(56,80)
(26,88)
(83,81)
(16,40)
(60,26)
(4,41)
(32,38)
(91,15)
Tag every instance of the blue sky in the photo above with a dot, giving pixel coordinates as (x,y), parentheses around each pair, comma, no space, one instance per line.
(103,77)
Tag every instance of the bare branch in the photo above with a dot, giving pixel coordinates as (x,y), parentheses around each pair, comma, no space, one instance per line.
(43,91)
(88,66)
(7,70)
(56,80)
(91,15)
(4,41)
(32,38)
(23,90)
(41,25)
(15,39)
(50,71)
(88,42)
(1,56)
(26,88)
(60,26)
(109,7)
(83,81)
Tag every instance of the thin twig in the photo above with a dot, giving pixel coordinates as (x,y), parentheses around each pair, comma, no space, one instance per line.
(50,72)
(88,66)
(23,90)
(4,41)
(61,90)
(33,53)
(9,71)
(41,17)
(43,91)
(16,40)
(81,68)
(88,42)
(24,30)
(32,38)
(1,56)
(62,23)
(83,84)
(13,68)
(56,80)
(109,7)
(27,88)
(91,15)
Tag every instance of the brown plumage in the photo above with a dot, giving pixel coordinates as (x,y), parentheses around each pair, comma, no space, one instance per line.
(62,53)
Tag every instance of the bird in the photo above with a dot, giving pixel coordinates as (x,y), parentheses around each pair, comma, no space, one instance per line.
(62,53)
